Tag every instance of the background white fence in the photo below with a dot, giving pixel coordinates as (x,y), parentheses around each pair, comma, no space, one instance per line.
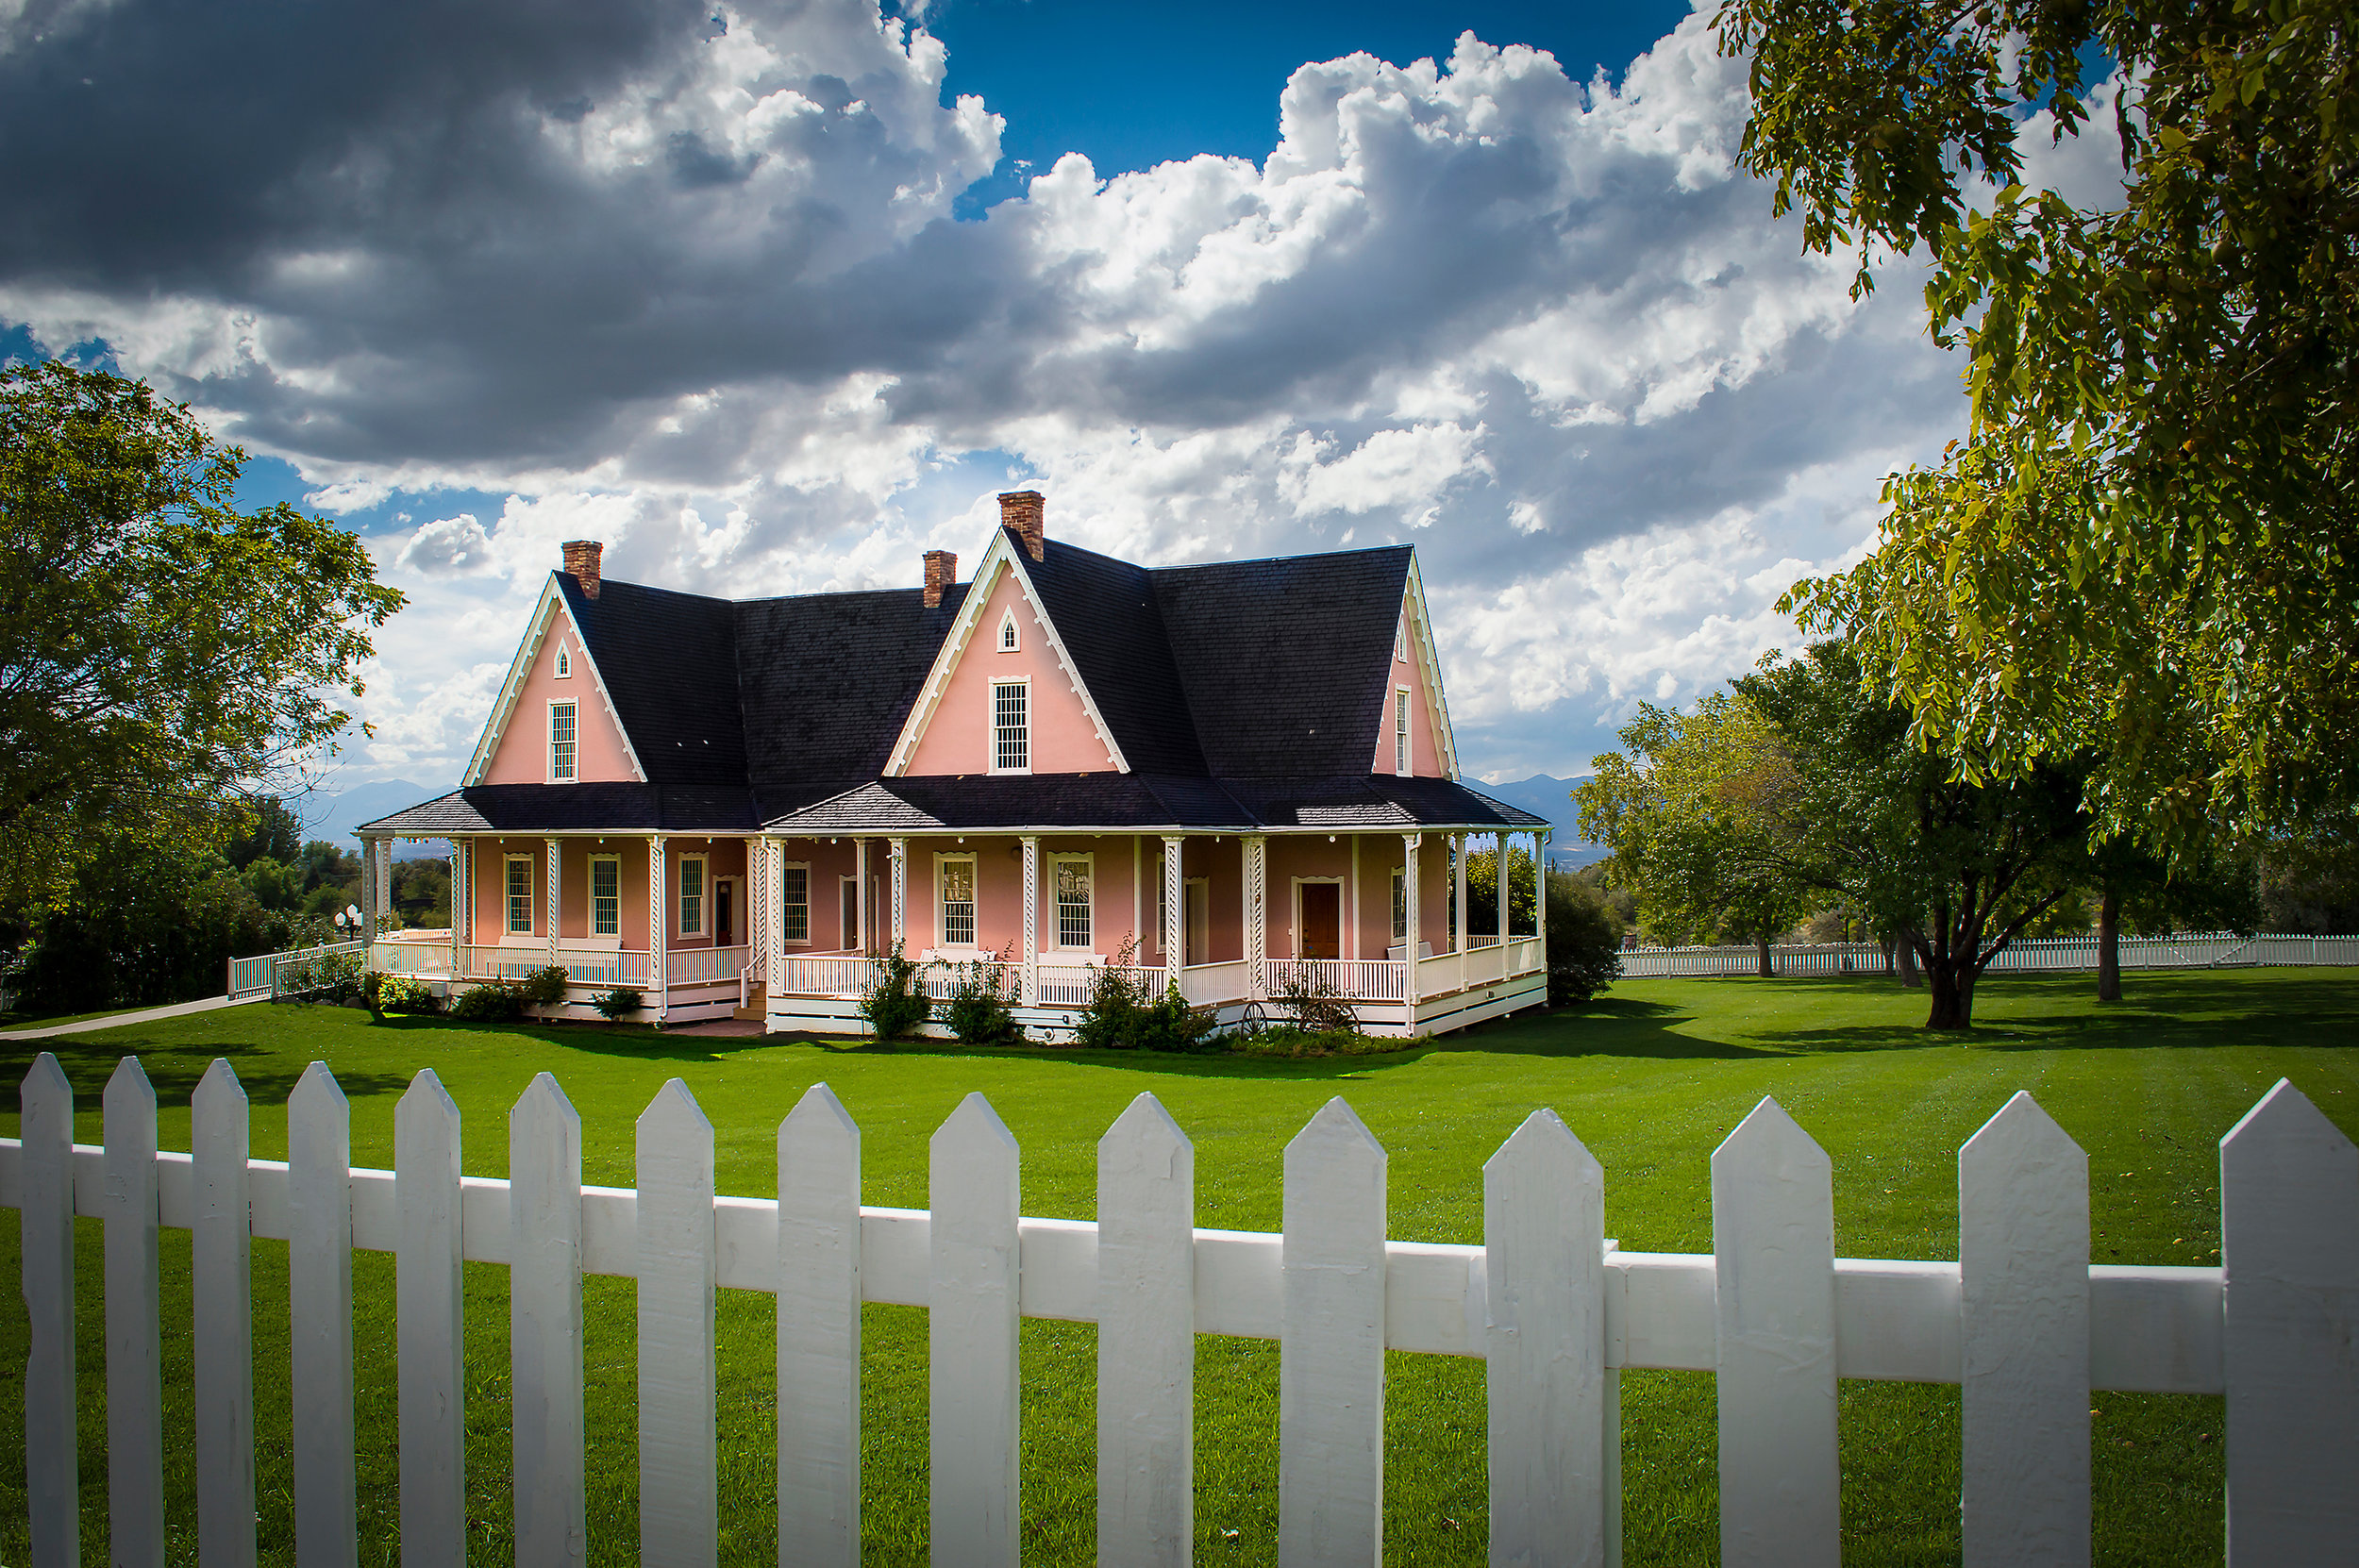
(2022,1321)
(2043,955)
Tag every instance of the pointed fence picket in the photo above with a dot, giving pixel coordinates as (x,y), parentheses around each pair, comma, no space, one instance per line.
(2022,1322)
(222,1273)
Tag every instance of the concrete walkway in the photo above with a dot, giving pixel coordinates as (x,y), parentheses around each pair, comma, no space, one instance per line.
(118,1020)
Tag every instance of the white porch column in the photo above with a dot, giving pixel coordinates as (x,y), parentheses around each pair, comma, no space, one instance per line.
(1031,922)
(900,888)
(1457,892)
(861,919)
(368,890)
(555,848)
(1257,915)
(459,887)
(1175,911)
(774,913)
(1501,891)
(384,877)
(658,923)
(1409,843)
(1540,893)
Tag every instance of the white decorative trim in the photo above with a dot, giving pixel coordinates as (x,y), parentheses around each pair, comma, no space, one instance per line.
(556,891)
(1031,921)
(545,612)
(1175,902)
(1010,637)
(1430,664)
(999,557)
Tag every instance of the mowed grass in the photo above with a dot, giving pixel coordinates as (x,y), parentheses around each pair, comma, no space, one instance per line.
(1651,1076)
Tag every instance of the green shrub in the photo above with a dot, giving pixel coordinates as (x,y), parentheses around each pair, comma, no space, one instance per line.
(1125,1013)
(1584,940)
(544,987)
(614,1005)
(1168,1024)
(1289,1042)
(492,1001)
(896,1004)
(977,1009)
(400,993)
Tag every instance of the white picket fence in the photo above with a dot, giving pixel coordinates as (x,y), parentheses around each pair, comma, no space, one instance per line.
(2022,1321)
(2044,954)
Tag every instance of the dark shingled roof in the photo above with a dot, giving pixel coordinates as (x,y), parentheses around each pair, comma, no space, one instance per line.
(1148,803)
(783,711)
(1106,615)
(574,808)
(824,681)
(669,661)
(1242,634)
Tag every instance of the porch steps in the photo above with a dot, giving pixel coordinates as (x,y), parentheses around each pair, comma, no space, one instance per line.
(753,1011)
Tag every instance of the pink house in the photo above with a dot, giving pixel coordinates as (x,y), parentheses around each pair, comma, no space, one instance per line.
(1240,774)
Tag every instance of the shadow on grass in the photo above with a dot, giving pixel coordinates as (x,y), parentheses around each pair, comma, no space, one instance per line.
(264,1071)
(1605,1026)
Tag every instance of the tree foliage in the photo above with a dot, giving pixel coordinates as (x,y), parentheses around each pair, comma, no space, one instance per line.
(1698,810)
(164,655)
(2142,551)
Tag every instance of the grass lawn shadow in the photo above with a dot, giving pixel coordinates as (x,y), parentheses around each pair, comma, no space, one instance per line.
(175,1071)
(1607,1026)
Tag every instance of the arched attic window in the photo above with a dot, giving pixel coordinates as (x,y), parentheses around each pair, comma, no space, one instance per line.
(565,662)
(1010,640)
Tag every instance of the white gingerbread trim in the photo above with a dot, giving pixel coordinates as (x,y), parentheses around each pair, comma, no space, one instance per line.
(1002,555)
(1430,664)
(545,615)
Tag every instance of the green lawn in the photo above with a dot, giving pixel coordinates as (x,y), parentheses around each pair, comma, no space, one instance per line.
(1650,1076)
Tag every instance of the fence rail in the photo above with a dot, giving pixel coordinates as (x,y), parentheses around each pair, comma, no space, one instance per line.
(2044,954)
(2022,1321)
(273,974)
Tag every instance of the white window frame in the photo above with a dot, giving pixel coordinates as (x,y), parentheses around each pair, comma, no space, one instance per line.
(786,904)
(991,723)
(1010,637)
(1404,755)
(942,911)
(679,875)
(1089,867)
(1400,903)
(1400,640)
(574,775)
(616,861)
(508,895)
(1343,913)
(565,662)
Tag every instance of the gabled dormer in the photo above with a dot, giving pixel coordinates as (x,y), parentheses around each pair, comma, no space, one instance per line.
(1005,694)
(555,721)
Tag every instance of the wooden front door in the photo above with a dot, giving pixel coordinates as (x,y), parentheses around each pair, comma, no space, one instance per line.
(1322,921)
(724,912)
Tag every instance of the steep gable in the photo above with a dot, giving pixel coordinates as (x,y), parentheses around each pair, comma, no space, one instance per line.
(515,735)
(948,729)
(1417,671)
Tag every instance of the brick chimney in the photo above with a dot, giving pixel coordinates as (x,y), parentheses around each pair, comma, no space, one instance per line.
(942,570)
(1021,510)
(581,560)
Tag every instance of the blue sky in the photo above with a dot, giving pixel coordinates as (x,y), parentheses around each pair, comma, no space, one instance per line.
(773,296)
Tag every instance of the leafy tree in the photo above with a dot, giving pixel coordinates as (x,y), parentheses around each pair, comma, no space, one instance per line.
(1584,940)
(1954,868)
(1482,891)
(1697,812)
(163,657)
(2204,886)
(2143,550)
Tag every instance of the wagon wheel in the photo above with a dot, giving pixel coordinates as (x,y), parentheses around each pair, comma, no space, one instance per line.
(1255,1019)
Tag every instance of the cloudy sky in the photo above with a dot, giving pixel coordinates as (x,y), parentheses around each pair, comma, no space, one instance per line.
(773,296)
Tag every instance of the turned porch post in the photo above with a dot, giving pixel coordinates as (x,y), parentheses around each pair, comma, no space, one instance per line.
(368,892)
(1257,915)
(555,851)
(1175,913)
(1540,893)
(1501,892)
(900,887)
(457,887)
(1409,843)
(658,919)
(1458,895)
(773,918)
(1031,922)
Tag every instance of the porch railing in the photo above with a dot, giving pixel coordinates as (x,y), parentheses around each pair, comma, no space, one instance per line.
(267,974)
(689,966)
(1353,980)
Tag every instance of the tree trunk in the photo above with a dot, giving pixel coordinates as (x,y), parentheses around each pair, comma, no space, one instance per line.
(1906,947)
(1952,985)
(1761,945)
(2109,944)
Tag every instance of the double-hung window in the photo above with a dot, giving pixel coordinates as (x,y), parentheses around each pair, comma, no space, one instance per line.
(956,880)
(1010,727)
(692,895)
(562,737)
(794,904)
(605,895)
(520,895)
(1401,905)
(1070,877)
(1400,729)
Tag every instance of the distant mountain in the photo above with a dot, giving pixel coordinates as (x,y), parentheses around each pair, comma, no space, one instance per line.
(333,814)
(1544,795)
